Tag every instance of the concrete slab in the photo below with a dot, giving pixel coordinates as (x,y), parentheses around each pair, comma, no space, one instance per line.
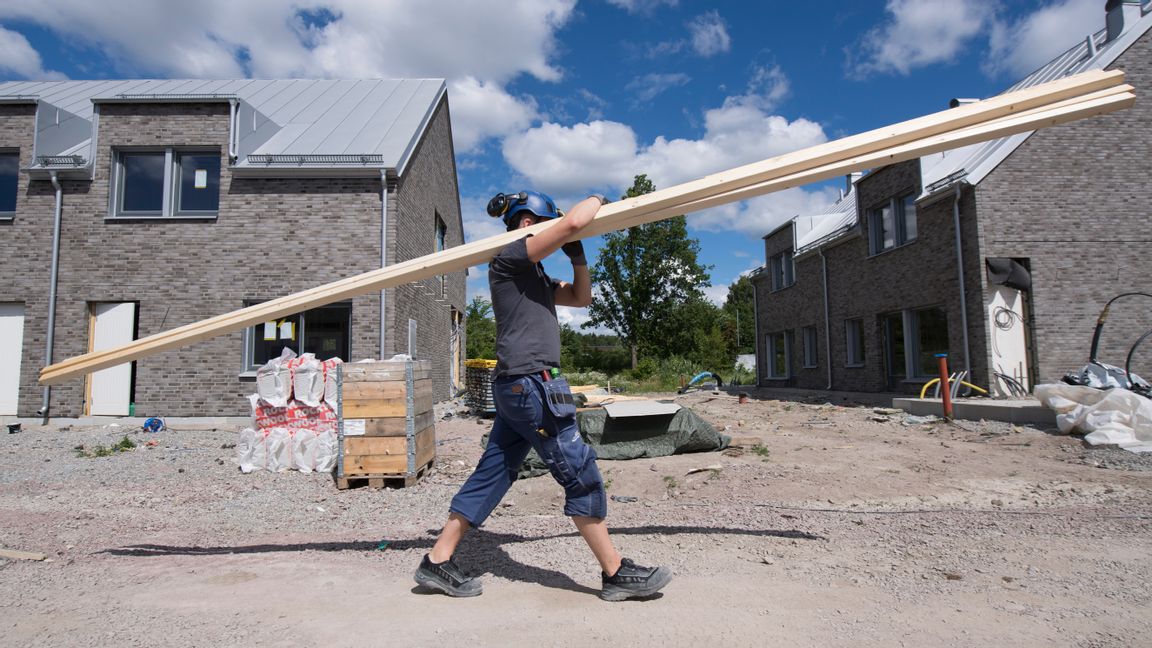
(1027,411)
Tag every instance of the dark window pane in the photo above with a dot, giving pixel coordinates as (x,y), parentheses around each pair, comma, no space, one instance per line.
(9,178)
(143,182)
(199,182)
(779,356)
(933,331)
(327,332)
(910,217)
(270,338)
(894,341)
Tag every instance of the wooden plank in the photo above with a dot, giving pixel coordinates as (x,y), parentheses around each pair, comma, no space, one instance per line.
(374,372)
(383,407)
(930,134)
(21,555)
(381,445)
(396,425)
(384,390)
(386,455)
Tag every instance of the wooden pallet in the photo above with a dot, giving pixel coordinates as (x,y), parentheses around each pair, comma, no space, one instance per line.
(381,480)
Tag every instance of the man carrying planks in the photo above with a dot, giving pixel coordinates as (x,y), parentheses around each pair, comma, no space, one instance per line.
(534,406)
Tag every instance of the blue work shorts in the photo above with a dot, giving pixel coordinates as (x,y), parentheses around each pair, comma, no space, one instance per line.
(533,413)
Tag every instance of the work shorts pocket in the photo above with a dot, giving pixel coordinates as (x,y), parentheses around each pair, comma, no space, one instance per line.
(517,399)
(558,398)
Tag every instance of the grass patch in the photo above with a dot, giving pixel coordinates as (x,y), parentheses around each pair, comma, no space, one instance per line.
(670,482)
(123,445)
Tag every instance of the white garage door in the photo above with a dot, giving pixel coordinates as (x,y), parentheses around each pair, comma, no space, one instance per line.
(110,389)
(11,349)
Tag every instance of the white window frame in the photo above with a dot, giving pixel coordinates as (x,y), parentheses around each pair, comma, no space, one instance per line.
(811,349)
(772,340)
(5,214)
(783,270)
(854,342)
(170,202)
(901,212)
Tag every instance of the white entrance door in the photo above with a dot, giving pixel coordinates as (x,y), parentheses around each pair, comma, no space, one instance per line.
(11,350)
(109,390)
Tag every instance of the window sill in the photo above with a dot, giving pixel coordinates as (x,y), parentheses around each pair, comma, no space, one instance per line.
(891,249)
(247,376)
(854,366)
(778,378)
(776,290)
(183,218)
(810,367)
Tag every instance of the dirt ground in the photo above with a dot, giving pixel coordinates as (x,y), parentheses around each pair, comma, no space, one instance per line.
(845,527)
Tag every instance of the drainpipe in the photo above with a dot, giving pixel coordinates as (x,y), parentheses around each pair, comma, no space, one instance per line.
(383,250)
(756,322)
(43,411)
(233,129)
(960,274)
(827,318)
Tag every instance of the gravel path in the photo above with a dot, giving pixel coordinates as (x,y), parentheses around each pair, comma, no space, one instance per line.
(844,528)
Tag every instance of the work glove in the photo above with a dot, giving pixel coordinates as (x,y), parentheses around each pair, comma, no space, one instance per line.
(575,252)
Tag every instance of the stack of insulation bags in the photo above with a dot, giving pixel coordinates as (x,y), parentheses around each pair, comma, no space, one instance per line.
(294,412)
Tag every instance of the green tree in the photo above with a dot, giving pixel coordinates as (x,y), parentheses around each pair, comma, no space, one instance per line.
(643,275)
(480,329)
(740,317)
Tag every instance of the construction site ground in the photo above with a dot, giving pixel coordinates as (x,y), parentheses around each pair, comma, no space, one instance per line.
(843,526)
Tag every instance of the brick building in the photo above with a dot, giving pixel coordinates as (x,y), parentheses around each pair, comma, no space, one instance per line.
(173,201)
(999,254)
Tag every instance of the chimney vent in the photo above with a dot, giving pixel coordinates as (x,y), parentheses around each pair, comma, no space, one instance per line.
(1120,15)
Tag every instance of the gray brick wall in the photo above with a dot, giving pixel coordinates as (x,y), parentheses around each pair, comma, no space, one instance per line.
(273,237)
(1072,200)
(427,190)
(917,275)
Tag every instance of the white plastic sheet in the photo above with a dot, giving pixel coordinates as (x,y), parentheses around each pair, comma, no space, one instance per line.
(282,449)
(274,379)
(1105,416)
(308,380)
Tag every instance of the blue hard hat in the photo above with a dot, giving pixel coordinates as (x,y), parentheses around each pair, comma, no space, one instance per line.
(512,206)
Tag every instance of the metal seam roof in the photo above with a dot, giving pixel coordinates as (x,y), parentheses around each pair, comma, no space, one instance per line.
(381,118)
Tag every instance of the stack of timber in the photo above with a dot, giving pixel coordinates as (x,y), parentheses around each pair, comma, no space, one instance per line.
(1064,100)
(387,431)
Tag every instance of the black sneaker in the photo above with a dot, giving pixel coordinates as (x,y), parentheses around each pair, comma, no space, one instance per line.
(633,581)
(448,578)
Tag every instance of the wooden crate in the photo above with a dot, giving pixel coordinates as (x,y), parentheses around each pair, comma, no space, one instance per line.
(386,426)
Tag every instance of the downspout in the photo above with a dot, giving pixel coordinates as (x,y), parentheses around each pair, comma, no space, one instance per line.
(47,401)
(960,274)
(756,322)
(233,129)
(383,251)
(827,317)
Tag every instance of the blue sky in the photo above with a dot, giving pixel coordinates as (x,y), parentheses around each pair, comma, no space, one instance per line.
(578,96)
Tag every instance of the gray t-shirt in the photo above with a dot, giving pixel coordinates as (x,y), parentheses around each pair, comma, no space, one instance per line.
(524,303)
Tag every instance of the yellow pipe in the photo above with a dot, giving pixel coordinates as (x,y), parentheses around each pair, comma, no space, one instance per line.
(936,380)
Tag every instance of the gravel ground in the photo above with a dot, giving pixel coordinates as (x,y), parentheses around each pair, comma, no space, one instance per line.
(844,527)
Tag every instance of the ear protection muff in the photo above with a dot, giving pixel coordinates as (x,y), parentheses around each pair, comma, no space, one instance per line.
(502,202)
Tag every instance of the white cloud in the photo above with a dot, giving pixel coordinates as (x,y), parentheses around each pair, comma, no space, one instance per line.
(564,159)
(338,38)
(716,294)
(649,86)
(709,34)
(602,154)
(758,216)
(642,6)
(481,110)
(19,57)
(1019,48)
(923,32)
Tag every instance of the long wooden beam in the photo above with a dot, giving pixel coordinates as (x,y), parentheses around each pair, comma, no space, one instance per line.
(1058,102)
